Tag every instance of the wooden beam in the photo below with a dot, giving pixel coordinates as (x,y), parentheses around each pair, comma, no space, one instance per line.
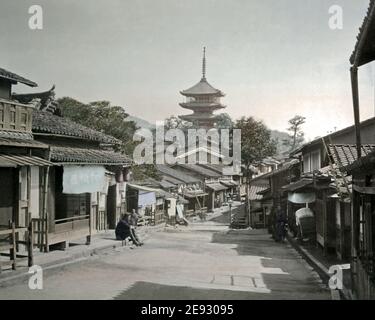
(355,95)
(364,190)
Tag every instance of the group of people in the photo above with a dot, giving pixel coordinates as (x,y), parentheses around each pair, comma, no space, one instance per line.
(126,228)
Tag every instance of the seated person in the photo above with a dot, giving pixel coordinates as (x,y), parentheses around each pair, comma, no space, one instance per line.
(124,230)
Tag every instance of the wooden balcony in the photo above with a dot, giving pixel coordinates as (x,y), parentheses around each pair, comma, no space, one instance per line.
(15,116)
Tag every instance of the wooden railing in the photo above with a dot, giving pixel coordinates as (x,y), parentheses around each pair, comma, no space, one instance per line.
(159,217)
(40,236)
(189,213)
(101,220)
(10,238)
(72,223)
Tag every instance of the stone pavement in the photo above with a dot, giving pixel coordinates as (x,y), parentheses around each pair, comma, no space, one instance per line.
(76,252)
(321,263)
(205,260)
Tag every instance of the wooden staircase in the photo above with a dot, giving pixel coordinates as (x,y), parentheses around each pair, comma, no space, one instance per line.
(239,219)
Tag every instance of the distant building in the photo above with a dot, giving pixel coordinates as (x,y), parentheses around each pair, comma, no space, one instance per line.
(203,99)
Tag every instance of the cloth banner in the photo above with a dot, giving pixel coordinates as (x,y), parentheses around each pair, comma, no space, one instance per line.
(180,209)
(82,179)
(146,198)
(301,198)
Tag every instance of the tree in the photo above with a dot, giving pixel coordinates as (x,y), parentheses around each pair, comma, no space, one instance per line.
(108,119)
(296,136)
(174,122)
(224,121)
(103,117)
(256,141)
(256,144)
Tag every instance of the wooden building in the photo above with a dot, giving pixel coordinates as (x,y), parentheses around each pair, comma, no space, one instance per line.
(362,171)
(23,166)
(189,186)
(86,191)
(320,163)
(210,179)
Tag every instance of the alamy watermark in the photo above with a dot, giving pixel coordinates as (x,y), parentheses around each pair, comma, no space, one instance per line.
(336,281)
(191,146)
(36,17)
(36,278)
(336,19)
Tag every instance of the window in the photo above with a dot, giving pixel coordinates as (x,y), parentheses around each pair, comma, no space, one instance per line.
(315,160)
(311,161)
(306,163)
(12,118)
(23,119)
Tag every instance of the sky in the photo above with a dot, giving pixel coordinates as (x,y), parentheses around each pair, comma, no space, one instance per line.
(273,58)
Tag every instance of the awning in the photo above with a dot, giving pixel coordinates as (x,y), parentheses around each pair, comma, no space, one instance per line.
(194,193)
(216,186)
(301,198)
(229,183)
(158,192)
(13,161)
(298,185)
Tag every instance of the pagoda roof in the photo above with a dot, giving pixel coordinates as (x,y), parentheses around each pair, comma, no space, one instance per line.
(198,116)
(202,88)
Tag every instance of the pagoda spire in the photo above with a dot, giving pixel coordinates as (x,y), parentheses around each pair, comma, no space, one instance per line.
(204,64)
(203,99)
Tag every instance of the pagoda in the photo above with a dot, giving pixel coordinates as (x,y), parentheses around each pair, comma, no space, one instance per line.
(203,99)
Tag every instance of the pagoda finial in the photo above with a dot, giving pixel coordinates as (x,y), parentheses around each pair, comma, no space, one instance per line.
(204,64)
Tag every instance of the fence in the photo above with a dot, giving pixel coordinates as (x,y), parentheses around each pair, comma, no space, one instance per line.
(10,241)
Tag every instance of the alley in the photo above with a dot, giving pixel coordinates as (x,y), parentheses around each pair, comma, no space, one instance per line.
(202,261)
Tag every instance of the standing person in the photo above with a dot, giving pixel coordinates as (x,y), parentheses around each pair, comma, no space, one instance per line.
(133,225)
(280,225)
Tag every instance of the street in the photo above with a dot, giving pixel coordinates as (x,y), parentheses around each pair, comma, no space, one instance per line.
(202,261)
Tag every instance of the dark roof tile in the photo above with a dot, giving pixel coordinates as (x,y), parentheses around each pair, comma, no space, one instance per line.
(5,74)
(88,156)
(46,122)
(346,154)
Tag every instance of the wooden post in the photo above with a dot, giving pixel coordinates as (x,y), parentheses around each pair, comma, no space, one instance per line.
(30,244)
(355,94)
(45,211)
(13,252)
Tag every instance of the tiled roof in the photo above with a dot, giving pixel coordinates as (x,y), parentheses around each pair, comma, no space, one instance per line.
(369,123)
(166,184)
(177,174)
(200,170)
(345,154)
(202,87)
(172,180)
(364,51)
(16,160)
(19,139)
(364,163)
(253,192)
(216,186)
(87,156)
(5,74)
(284,167)
(300,184)
(46,122)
